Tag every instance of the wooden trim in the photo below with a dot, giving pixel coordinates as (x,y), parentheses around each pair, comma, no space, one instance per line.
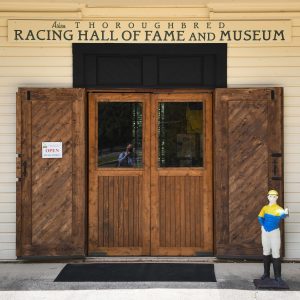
(18,175)
(151,91)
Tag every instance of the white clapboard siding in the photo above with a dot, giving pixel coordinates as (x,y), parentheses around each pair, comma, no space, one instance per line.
(7,237)
(291,111)
(7,177)
(33,52)
(7,166)
(263,80)
(8,246)
(7,109)
(36,71)
(292,237)
(7,254)
(7,188)
(7,138)
(7,158)
(7,129)
(7,198)
(249,65)
(253,62)
(291,158)
(292,177)
(263,51)
(7,217)
(293,218)
(262,71)
(8,207)
(7,227)
(45,61)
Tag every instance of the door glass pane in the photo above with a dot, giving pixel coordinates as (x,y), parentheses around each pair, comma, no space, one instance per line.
(120,127)
(180,132)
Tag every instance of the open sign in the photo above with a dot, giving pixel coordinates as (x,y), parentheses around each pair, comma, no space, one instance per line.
(51,149)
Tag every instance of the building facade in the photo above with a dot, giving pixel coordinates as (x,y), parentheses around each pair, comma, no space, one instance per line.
(72,48)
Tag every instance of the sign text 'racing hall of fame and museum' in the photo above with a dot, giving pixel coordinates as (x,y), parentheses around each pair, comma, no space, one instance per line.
(91,31)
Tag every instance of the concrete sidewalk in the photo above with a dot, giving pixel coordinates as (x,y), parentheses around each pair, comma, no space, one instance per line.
(234,281)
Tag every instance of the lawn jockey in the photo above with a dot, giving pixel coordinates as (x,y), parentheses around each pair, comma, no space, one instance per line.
(269,218)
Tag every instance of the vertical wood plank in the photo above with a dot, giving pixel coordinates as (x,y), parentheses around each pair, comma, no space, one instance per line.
(187,212)
(168,212)
(95,194)
(121,211)
(198,211)
(135,211)
(126,213)
(130,211)
(177,210)
(116,211)
(140,212)
(172,211)
(110,211)
(27,181)
(106,210)
(100,206)
(182,212)
(162,212)
(192,211)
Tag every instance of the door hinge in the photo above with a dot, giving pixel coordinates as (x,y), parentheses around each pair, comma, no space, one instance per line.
(28,95)
(24,169)
(273,95)
(276,154)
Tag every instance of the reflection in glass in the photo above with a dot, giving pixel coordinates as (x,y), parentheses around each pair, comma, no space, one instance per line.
(120,134)
(180,131)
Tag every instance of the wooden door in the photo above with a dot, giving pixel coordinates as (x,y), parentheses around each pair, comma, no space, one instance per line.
(51,191)
(176,219)
(119,197)
(181,181)
(248,162)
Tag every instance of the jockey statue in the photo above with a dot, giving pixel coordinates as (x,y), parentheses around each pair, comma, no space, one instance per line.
(269,219)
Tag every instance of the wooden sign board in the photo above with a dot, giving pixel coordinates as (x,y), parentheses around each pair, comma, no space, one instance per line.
(137,31)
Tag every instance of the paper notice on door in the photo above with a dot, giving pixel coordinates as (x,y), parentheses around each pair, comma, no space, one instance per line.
(51,149)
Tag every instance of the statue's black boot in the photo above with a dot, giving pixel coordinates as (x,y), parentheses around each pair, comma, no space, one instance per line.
(277,269)
(267,263)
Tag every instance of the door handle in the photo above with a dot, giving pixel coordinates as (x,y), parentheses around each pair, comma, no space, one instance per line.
(275,167)
(24,169)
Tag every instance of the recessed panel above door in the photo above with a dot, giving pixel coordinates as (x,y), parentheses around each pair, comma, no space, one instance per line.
(151,66)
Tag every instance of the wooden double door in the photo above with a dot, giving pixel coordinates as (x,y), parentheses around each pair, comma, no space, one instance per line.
(159,201)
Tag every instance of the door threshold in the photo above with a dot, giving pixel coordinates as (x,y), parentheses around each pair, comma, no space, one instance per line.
(152,259)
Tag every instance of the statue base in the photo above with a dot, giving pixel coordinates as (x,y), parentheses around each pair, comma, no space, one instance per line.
(269,283)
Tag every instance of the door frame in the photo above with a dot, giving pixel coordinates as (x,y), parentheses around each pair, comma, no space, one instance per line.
(154,91)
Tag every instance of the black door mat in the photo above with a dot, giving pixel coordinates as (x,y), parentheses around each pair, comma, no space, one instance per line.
(269,283)
(137,272)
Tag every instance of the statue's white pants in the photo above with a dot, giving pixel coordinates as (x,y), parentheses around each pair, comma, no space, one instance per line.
(271,242)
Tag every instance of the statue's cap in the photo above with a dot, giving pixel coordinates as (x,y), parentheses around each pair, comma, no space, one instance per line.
(273,192)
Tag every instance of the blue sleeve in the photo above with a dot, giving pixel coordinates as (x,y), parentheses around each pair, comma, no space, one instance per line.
(261,220)
(283,216)
(121,156)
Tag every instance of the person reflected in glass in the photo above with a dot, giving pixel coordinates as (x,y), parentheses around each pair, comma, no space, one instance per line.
(126,158)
